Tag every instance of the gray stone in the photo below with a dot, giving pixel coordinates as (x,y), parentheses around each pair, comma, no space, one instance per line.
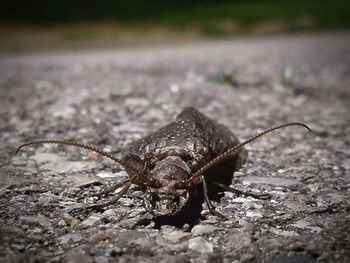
(36,220)
(291,259)
(18,247)
(70,238)
(37,231)
(42,157)
(47,198)
(101,259)
(98,237)
(200,230)
(92,220)
(345,164)
(62,223)
(303,224)
(174,235)
(277,181)
(67,166)
(82,180)
(77,255)
(282,232)
(106,175)
(176,259)
(143,243)
(109,213)
(200,245)
(246,257)
(238,240)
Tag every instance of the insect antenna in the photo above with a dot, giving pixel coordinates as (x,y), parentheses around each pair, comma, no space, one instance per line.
(234,150)
(84,146)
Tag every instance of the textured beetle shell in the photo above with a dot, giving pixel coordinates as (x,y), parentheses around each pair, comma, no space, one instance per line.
(193,137)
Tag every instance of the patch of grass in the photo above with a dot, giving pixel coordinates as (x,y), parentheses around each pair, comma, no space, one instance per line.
(288,76)
(247,15)
(227,77)
(125,23)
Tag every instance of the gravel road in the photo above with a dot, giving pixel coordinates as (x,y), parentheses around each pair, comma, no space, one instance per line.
(111,98)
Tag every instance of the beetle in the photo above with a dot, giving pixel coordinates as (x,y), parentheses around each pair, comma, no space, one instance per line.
(173,164)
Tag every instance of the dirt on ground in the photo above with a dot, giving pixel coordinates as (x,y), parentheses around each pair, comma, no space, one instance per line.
(111,98)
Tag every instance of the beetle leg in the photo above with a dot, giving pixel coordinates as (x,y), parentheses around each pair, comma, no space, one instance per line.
(211,208)
(110,189)
(263,196)
(112,201)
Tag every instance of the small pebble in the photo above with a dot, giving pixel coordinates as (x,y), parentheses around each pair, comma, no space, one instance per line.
(92,220)
(36,220)
(174,235)
(199,230)
(200,245)
(70,238)
(62,223)
(98,237)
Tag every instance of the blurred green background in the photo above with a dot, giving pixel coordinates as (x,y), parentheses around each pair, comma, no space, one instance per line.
(54,24)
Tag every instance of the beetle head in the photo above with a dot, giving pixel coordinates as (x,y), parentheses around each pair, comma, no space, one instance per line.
(162,196)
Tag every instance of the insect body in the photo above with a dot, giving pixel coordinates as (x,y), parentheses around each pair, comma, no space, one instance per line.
(174,153)
(173,164)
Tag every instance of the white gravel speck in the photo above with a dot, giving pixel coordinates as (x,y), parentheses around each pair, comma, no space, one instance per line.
(303,224)
(200,245)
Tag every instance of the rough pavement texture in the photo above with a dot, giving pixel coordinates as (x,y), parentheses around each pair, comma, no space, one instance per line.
(111,98)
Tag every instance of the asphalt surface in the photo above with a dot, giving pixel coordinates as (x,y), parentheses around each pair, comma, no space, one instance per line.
(111,98)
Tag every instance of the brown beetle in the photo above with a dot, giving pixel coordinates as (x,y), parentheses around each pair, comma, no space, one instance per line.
(173,163)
